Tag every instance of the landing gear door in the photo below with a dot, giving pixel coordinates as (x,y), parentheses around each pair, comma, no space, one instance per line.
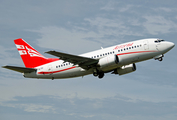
(146,45)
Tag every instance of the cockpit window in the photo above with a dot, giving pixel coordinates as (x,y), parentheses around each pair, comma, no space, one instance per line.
(158,41)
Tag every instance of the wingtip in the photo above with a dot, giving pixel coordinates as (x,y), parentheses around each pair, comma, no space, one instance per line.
(50,51)
(47,52)
(4,66)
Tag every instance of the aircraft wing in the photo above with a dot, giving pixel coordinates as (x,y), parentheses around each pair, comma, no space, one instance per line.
(83,62)
(20,69)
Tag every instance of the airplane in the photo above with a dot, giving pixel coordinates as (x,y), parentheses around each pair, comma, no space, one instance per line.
(119,59)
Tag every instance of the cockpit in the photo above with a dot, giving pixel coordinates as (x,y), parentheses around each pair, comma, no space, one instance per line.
(158,41)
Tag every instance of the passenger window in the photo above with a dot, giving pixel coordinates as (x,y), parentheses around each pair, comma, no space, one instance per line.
(129,47)
(105,53)
(61,65)
(132,47)
(118,50)
(113,52)
(97,55)
(110,52)
(135,46)
(100,55)
(66,63)
(94,56)
(121,50)
(124,49)
(56,66)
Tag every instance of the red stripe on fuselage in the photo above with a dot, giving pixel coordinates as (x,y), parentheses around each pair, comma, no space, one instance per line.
(56,71)
(135,52)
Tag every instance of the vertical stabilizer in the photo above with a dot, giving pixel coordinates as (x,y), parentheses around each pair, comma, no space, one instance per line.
(31,57)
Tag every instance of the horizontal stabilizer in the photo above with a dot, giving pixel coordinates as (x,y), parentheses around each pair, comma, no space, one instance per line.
(20,69)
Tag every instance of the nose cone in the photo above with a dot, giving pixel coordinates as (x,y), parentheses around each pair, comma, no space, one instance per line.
(170,45)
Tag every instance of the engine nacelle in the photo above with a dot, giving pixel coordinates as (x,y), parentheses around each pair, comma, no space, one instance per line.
(125,59)
(110,60)
(125,69)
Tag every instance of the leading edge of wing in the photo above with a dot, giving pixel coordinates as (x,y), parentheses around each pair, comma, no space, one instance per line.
(80,60)
(19,69)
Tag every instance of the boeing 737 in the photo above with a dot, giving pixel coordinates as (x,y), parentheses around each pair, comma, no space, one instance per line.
(118,59)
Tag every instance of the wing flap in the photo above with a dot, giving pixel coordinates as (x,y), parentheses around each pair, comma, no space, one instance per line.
(83,62)
(20,69)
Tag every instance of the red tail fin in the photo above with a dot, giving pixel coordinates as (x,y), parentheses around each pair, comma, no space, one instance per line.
(30,56)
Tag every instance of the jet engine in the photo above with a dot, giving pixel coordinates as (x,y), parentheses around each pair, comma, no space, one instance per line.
(110,60)
(125,69)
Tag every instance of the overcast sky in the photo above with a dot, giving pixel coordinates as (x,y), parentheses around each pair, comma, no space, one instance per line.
(78,26)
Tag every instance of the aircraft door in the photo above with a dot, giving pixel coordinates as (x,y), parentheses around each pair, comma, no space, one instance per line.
(146,45)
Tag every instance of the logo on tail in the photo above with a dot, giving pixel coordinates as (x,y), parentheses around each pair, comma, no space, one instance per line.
(31,52)
(20,47)
(31,57)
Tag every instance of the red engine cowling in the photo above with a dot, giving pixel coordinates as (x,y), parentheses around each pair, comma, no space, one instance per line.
(125,69)
(110,60)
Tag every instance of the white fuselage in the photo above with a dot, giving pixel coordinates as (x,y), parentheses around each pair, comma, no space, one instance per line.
(131,52)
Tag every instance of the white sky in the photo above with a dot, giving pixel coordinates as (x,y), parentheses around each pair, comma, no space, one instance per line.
(81,26)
